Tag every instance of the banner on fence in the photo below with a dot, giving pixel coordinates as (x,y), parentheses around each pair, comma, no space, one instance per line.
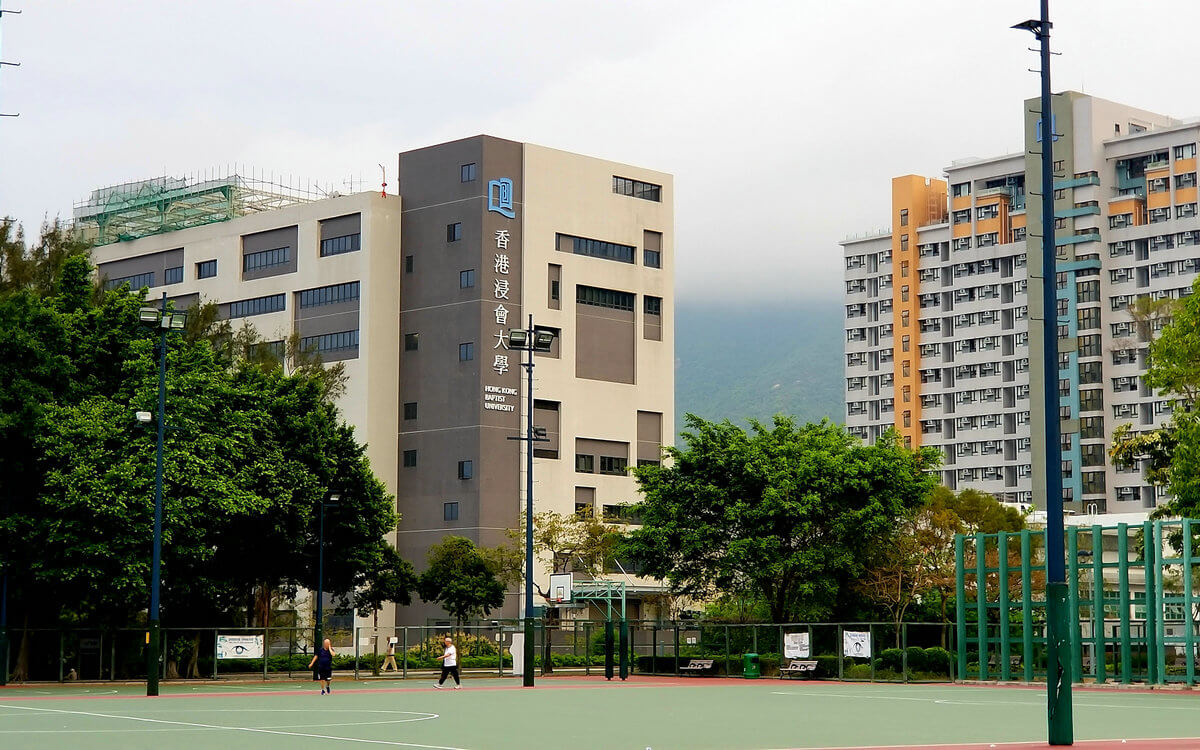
(856,643)
(796,646)
(239,646)
(517,649)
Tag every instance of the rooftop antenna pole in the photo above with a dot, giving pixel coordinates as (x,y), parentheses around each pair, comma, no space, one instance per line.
(383,187)
(1058,617)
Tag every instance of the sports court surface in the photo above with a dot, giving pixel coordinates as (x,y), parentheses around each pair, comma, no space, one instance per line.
(582,714)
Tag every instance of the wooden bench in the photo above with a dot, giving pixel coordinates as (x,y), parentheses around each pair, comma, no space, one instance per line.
(798,668)
(698,666)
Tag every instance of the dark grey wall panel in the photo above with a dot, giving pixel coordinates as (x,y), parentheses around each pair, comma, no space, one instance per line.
(155,263)
(270,240)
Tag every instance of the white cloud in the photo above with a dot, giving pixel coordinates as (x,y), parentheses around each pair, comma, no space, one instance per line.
(782,121)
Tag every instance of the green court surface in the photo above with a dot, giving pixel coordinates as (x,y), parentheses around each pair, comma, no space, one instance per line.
(579,714)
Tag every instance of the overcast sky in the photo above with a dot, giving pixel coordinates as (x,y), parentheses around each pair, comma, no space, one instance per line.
(781,121)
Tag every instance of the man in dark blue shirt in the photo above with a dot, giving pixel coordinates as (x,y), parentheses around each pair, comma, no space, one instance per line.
(324,661)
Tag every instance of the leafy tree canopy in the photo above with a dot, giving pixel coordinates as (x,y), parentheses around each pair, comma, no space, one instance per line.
(461,580)
(783,512)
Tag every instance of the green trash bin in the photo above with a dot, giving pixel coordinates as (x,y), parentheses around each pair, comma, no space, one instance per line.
(751,669)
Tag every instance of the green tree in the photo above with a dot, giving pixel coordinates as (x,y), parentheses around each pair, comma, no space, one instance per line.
(460,580)
(1171,453)
(784,512)
(251,452)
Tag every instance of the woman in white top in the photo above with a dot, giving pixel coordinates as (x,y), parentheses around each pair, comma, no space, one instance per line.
(449,664)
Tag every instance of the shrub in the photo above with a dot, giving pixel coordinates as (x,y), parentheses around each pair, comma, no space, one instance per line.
(890,658)
(916,659)
(937,660)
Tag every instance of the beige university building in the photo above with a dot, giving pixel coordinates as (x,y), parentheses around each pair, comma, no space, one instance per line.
(413,293)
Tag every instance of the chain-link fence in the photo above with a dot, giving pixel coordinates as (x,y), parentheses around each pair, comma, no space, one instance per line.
(848,651)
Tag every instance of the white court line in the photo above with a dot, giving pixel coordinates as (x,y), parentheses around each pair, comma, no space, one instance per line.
(952,702)
(198,725)
(415,717)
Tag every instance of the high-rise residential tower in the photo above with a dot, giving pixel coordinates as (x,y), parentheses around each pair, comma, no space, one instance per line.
(939,344)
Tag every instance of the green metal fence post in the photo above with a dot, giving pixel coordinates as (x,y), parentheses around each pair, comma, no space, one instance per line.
(841,653)
(1123,586)
(1160,604)
(871,649)
(981,603)
(1098,643)
(354,631)
(960,604)
(904,650)
(61,655)
(404,660)
(726,650)
(1005,646)
(676,649)
(1189,633)
(1026,607)
(266,649)
(1076,657)
(1150,626)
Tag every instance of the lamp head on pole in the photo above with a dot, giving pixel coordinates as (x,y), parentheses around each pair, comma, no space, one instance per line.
(518,338)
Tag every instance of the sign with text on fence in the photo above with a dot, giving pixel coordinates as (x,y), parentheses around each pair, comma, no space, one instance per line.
(239,646)
(856,643)
(796,646)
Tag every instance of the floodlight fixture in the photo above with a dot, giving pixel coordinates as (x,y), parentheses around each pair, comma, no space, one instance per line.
(542,340)
(518,338)
(144,417)
(148,315)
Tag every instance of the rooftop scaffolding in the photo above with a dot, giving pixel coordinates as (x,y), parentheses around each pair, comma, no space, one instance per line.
(164,204)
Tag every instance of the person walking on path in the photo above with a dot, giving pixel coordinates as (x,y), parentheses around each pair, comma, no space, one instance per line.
(324,661)
(391,657)
(449,664)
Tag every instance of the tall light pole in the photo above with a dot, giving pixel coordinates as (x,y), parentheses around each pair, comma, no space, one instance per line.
(164,321)
(319,630)
(1058,627)
(529,340)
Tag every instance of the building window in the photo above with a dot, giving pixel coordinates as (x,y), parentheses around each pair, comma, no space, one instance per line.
(411,341)
(449,511)
(554,290)
(612,464)
(636,188)
(466,351)
(611,298)
(408,264)
(466,279)
(466,173)
(466,469)
(585,464)
(266,259)
(138,281)
(958,190)
(904,217)
(1089,317)
(652,258)
(347,243)
(410,459)
(173,275)
(257,306)
(329,295)
(598,248)
(1186,151)
(410,410)
(1089,346)
(330,342)
(206,269)
(454,232)
(653,305)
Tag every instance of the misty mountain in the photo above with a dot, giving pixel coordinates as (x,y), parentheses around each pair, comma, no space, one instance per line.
(740,360)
